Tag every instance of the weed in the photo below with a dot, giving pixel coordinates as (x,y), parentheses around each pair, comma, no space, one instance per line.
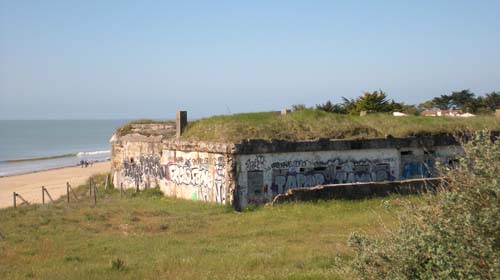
(72,259)
(117,264)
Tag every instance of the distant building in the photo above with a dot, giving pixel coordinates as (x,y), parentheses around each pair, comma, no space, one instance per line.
(399,114)
(466,115)
(442,113)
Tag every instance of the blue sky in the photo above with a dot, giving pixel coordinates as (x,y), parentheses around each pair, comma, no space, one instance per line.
(147,59)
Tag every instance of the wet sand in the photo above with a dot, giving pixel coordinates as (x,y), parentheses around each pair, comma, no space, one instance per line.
(29,186)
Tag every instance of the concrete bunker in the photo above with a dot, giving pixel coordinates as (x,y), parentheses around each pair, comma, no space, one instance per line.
(256,171)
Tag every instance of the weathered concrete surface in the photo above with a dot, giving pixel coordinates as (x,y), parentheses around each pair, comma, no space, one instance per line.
(359,190)
(166,129)
(282,146)
(256,171)
(261,177)
(190,175)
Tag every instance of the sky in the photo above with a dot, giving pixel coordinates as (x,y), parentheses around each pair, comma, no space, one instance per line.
(148,59)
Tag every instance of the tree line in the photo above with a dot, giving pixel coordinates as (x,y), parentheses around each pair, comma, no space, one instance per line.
(378,101)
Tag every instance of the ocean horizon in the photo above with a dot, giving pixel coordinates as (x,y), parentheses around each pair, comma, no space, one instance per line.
(36,145)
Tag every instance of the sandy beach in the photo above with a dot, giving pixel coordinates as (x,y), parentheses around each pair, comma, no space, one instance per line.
(29,185)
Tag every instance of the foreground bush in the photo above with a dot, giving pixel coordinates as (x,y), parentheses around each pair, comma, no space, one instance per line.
(453,235)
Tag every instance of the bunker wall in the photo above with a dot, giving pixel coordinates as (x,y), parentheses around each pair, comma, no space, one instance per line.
(261,177)
(192,175)
(257,171)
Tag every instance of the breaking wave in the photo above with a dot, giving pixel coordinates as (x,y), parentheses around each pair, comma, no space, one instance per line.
(86,154)
(98,154)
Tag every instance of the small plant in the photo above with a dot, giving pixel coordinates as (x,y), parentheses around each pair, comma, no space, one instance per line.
(72,259)
(118,264)
(163,227)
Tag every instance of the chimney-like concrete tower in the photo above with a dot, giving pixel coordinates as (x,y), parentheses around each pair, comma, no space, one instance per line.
(181,122)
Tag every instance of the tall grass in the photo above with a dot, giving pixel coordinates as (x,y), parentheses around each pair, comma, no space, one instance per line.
(146,236)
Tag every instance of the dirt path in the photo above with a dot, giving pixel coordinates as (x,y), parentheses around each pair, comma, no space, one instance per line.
(29,185)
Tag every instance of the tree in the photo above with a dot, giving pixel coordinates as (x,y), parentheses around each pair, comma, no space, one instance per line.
(375,101)
(442,102)
(427,105)
(331,107)
(409,109)
(492,100)
(463,100)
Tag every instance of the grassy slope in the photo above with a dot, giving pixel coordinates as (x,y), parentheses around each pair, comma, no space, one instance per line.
(177,239)
(314,124)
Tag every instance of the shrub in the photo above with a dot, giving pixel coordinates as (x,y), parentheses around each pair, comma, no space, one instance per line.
(454,234)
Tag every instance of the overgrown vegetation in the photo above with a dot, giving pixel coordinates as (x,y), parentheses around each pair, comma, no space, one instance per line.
(148,236)
(127,128)
(453,235)
(310,124)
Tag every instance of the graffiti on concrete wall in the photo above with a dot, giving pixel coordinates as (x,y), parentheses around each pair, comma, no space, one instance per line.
(196,172)
(220,180)
(137,170)
(330,172)
(306,173)
(256,164)
(418,169)
(207,175)
(197,176)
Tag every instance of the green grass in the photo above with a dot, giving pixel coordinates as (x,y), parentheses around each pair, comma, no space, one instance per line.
(146,236)
(314,124)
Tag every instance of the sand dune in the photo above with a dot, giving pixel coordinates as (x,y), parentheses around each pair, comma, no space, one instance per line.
(30,185)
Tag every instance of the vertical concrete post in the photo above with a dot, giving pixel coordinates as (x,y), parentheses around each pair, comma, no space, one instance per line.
(180,122)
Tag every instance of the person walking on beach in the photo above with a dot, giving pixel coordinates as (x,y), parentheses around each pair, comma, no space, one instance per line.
(81,162)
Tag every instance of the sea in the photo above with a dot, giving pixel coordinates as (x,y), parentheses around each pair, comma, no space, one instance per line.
(36,145)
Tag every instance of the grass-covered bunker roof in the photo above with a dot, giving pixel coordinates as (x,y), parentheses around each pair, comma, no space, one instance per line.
(311,125)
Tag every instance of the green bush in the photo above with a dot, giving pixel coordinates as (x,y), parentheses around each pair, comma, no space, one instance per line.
(454,234)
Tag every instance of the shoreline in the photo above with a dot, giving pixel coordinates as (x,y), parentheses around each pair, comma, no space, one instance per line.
(39,158)
(50,169)
(54,180)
